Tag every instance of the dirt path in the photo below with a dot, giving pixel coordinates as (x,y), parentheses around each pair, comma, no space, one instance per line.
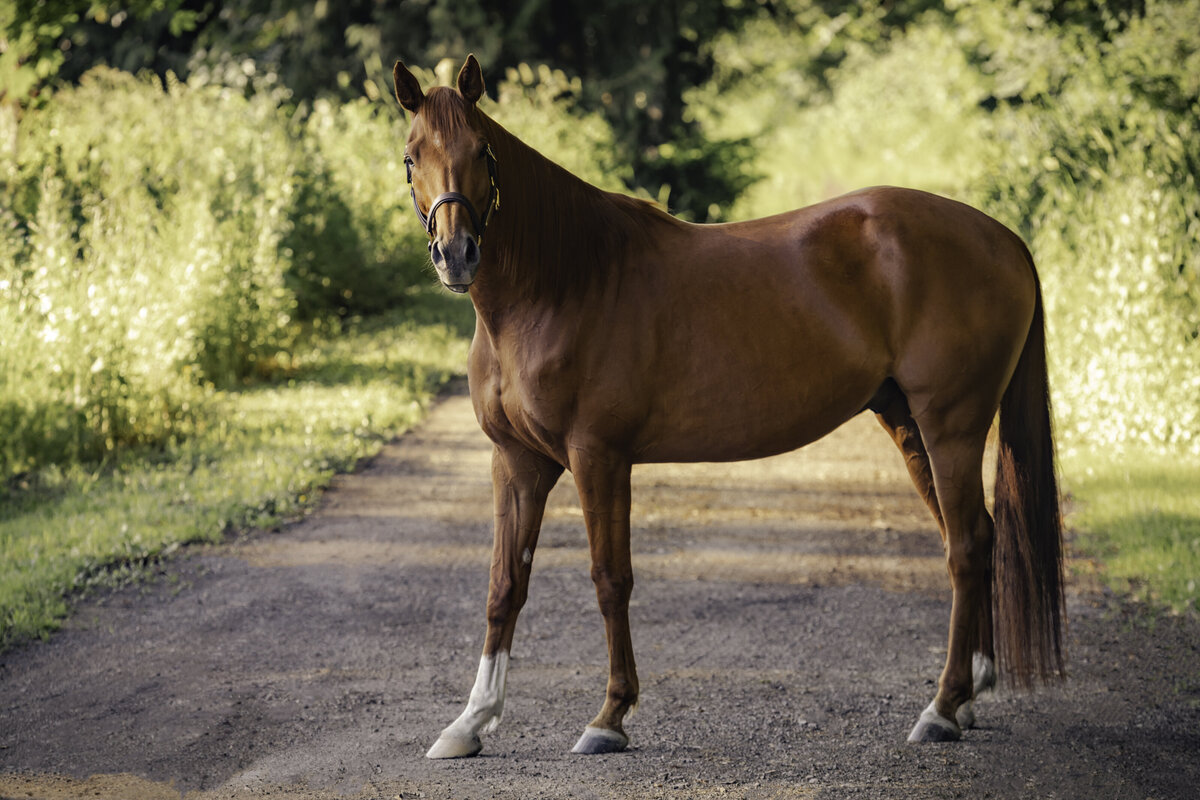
(789,621)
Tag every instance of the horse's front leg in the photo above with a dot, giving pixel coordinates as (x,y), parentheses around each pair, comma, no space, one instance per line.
(604,494)
(521,481)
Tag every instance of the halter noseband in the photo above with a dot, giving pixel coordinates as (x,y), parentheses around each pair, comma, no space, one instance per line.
(429,222)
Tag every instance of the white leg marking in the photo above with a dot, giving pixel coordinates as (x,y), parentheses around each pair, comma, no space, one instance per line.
(486,703)
(484,708)
(983,673)
(983,670)
(965,716)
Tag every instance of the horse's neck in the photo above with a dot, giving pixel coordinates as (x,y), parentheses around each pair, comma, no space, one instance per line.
(557,239)
(514,288)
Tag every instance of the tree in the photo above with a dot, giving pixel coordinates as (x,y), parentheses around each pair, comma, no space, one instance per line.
(39,37)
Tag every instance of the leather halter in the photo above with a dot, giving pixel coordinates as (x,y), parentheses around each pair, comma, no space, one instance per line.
(429,221)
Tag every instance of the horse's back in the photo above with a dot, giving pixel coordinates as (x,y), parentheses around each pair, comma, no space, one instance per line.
(768,334)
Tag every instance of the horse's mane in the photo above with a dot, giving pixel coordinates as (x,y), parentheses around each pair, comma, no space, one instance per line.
(555,234)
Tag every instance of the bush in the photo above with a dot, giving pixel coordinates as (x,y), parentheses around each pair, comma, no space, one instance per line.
(1097,163)
(161,241)
(539,105)
(906,116)
(143,263)
(354,247)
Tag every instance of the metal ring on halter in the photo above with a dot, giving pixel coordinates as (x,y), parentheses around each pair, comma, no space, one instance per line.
(429,222)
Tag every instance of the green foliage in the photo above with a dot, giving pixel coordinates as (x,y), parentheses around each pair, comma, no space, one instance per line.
(263,458)
(1140,516)
(906,116)
(143,264)
(1096,162)
(353,246)
(540,105)
(636,60)
(36,36)
(162,241)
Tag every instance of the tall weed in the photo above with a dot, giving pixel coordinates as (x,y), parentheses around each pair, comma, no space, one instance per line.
(148,265)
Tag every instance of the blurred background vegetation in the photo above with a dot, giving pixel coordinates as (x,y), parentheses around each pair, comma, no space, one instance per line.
(200,200)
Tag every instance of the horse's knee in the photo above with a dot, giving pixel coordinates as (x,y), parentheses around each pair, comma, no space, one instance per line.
(613,590)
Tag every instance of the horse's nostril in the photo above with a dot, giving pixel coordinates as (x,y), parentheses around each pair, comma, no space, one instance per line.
(471,251)
(435,252)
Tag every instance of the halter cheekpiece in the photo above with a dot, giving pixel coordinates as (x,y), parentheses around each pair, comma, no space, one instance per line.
(429,221)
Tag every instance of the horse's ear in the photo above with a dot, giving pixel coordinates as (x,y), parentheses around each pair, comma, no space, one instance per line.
(470,80)
(408,88)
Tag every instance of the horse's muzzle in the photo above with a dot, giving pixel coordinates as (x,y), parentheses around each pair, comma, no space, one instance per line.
(456,261)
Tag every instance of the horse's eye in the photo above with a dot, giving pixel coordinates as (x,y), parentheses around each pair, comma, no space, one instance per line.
(483,151)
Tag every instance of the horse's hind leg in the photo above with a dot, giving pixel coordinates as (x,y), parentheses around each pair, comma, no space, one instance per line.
(891,409)
(521,482)
(957,476)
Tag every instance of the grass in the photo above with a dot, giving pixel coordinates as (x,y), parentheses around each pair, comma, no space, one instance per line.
(260,456)
(1137,516)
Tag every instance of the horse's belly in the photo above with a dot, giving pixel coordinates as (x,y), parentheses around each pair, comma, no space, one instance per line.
(735,421)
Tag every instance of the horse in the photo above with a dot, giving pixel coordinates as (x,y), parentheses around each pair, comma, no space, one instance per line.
(609,332)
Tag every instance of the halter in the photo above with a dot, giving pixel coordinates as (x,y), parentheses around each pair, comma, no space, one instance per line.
(429,222)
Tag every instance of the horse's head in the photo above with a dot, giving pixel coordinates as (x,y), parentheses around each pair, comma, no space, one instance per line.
(451,169)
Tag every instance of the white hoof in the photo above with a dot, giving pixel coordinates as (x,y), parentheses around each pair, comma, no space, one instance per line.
(455,746)
(933,727)
(600,740)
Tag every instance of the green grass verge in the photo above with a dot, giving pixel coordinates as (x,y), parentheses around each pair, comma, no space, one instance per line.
(1137,515)
(259,456)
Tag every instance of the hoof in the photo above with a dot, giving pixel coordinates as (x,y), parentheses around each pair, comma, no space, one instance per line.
(966,715)
(933,727)
(600,740)
(455,746)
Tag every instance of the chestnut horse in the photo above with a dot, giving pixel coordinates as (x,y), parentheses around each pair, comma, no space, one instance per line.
(609,333)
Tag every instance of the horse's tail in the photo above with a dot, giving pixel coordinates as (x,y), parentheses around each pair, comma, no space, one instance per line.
(1027,576)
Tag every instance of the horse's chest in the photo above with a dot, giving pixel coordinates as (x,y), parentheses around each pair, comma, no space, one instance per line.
(527,401)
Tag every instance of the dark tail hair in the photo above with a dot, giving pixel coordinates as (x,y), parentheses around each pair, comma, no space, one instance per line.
(1027,574)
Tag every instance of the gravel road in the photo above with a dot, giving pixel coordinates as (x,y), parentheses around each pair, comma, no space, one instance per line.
(789,621)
